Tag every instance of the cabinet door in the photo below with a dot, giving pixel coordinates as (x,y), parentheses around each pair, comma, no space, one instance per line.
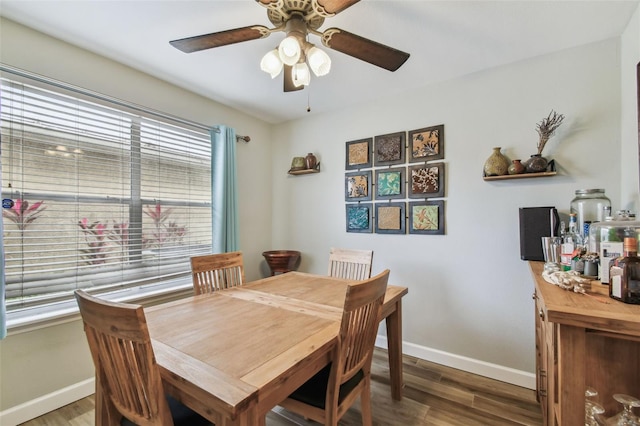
(551,366)
(544,361)
(541,357)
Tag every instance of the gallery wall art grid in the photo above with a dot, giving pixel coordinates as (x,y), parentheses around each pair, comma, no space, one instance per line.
(392,182)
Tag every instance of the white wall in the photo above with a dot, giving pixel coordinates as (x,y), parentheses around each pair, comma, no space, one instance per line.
(629,59)
(469,292)
(39,363)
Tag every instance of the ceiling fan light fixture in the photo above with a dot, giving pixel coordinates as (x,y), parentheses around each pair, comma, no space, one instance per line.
(300,74)
(319,61)
(289,50)
(271,63)
(298,19)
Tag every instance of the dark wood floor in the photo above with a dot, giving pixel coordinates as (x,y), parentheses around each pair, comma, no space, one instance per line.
(433,395)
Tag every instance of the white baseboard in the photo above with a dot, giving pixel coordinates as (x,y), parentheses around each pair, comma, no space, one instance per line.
(481,368)
(46,403)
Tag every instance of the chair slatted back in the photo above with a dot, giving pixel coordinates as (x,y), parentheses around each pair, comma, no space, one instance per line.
(123,356)
(359,326)
(350,264)
(327,396)
(218,271)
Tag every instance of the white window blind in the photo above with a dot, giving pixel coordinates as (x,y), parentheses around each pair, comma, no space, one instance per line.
(103,198)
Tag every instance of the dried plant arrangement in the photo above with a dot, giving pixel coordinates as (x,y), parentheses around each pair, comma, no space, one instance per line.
(547,127)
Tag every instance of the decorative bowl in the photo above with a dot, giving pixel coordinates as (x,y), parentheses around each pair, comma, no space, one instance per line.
(281,260)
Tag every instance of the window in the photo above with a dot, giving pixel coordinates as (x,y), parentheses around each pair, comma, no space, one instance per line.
(102,197)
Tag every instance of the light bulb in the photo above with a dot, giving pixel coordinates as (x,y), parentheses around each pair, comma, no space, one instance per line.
(300,74)
(319,61)
(289,51)
(271,63)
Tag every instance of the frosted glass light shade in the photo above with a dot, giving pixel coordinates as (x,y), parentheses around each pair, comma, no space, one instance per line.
(271,63)
(289,50)
(300,74)
(319,61)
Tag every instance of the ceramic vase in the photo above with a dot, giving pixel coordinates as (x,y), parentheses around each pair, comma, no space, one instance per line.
(298,163)
(536,164)
(497,164)
(516,167)
(310,161)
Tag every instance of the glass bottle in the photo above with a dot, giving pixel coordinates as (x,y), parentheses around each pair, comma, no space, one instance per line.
(571,244)
(589,206)
(624,274)
(605,238)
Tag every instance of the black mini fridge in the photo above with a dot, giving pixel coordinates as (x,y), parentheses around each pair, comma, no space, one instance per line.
(535,223)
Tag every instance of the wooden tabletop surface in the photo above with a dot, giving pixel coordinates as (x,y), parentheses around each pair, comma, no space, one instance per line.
(244,349)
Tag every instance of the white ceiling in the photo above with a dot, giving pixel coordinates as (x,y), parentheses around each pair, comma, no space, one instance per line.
(446,39)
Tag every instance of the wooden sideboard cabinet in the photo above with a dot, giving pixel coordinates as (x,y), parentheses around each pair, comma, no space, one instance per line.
(583,341)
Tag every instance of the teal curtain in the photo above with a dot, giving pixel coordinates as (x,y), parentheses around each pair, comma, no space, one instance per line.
(3,311)
(224,190)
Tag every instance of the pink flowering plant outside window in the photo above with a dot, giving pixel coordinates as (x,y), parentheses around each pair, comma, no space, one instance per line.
(98,237)
(104,238)
(95,236)
(164,231)
(23,214)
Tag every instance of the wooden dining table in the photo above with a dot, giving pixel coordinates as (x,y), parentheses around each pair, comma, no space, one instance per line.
(233,355)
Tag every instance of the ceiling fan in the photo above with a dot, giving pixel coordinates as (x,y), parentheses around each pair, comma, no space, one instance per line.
(298,18)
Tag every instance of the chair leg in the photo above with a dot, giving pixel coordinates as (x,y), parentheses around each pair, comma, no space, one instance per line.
(331,415)
(365,404)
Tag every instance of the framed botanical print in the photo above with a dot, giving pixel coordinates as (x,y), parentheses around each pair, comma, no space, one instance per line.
(426,217)
(357,186)
(390,218)
(426,144)
(359,217)
(390,183)
(389,149)
(358,154)
(426,180)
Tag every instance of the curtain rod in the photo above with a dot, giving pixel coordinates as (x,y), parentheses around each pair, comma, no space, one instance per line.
(42,79)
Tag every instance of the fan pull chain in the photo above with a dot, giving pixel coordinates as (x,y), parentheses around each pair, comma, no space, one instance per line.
(308,89)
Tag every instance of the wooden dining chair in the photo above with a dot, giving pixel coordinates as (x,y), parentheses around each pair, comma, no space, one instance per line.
(329,394)
(126,367)
(218,271)
(350,264)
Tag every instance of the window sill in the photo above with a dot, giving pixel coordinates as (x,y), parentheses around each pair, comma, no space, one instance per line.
(30,319)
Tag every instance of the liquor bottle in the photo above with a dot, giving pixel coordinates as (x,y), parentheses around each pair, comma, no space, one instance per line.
(571,243)
(624,274)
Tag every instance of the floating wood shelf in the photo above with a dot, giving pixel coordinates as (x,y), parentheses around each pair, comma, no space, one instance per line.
(521,176)
(305,171)
(551,171)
